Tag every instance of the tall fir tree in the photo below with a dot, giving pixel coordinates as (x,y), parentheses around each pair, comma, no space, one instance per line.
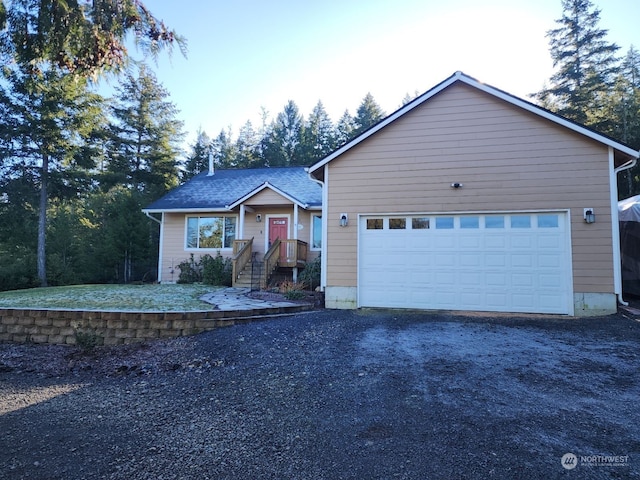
(145,137)
(624,109)
(345,128)
(319,137)
(48,117)
(585,63)
(368,114)
(282,146)
(247,147)
(198,160)
(82,38)
(224,150)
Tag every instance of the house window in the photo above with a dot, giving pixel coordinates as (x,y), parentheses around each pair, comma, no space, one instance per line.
(211,232)
(316,232)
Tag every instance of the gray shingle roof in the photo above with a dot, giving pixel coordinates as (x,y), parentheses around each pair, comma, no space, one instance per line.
(228,186)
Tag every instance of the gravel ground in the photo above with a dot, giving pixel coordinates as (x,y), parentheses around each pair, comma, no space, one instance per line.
(332,395)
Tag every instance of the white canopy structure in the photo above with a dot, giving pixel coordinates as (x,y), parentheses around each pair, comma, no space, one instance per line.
(629,217)
(629,209)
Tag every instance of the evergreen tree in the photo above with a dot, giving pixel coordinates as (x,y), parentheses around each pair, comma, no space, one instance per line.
(409,98)
(368,114)
(319,137)
(84,38)
(345,129)
(224,150)
(624,109)
(145,137)
(247,147)
(198,161)
(585,64)
(48,118)
(282,146)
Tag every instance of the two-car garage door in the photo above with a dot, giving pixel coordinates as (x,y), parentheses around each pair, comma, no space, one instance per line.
(509,262)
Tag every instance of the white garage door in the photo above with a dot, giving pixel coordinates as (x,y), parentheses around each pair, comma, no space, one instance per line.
(507,262)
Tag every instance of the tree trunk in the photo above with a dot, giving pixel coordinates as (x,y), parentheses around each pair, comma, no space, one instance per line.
(42,222)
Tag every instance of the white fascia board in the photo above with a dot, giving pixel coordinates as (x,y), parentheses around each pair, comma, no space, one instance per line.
(261,188)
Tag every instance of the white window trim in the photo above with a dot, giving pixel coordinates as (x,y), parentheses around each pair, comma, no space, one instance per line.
(204,215)
(311,247)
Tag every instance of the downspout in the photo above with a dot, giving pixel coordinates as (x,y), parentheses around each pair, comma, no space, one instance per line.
(159,222)
(323,250)
(160,245)
(615,225)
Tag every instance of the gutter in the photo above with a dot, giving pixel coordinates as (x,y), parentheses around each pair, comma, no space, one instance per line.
(159,222)
(615,224)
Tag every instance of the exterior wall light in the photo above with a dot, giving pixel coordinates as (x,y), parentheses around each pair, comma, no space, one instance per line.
(589,215)
(456,185)
(344,219)
(258,218)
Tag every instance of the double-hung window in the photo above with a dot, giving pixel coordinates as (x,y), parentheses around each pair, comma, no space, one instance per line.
(211,232)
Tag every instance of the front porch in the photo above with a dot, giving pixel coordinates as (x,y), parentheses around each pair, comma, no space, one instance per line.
(250,271)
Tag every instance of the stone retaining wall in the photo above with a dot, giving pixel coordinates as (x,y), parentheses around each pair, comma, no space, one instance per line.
(73,327)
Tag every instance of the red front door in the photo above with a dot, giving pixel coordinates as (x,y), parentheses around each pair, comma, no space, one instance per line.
(279,228)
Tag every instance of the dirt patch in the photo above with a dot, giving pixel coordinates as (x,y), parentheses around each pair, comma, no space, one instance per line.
(315,298)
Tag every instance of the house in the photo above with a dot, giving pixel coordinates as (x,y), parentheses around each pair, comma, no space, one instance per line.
(469,198)
(264,218)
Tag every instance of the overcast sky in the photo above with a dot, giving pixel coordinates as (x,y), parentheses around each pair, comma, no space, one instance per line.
(248,54)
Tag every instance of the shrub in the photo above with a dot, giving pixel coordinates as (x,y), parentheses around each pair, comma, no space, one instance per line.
(217,271)
(190,271)
(310,276)
(86,337)
(292,290)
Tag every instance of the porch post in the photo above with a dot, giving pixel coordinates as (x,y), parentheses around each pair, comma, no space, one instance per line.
(241,226)
(295,237)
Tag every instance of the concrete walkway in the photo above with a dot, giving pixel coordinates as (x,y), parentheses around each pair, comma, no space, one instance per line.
(237,299)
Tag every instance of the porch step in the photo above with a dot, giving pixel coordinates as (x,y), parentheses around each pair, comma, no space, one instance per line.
(244,279)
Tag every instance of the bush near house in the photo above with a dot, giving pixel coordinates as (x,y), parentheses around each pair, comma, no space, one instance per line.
(209,270)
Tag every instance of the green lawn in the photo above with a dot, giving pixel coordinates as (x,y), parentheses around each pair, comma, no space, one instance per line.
(111,297)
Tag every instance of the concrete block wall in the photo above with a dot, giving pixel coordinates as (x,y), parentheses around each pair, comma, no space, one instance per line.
(115,328)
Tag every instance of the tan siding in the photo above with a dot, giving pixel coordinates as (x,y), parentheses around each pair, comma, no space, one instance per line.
(507,159)
(174,251)
(268,197)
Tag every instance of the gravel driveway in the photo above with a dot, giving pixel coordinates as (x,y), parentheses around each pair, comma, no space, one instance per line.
(332,395)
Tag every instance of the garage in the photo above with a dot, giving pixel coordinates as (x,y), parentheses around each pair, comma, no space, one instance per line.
(502,262)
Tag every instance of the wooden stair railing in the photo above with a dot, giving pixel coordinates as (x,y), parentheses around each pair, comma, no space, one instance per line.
(241,256)
(271,261)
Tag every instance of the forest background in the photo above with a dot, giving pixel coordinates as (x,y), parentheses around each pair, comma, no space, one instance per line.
(76,167)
